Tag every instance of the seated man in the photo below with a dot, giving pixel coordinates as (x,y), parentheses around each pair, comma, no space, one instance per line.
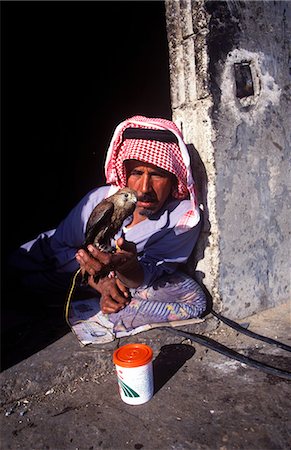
(149,156)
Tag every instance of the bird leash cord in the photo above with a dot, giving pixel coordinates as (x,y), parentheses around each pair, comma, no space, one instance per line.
(70,295)
(226,351)
(211,343)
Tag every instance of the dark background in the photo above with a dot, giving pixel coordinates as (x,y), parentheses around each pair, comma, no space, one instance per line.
(71,71)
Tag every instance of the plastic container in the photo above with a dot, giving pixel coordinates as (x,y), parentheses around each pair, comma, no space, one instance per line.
(134,369)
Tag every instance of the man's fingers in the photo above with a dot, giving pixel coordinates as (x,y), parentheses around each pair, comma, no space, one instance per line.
(96,260)
(102,257)
(82,256)
(109,305)
(88,263)
(92,283)
(122,288)
(118,298)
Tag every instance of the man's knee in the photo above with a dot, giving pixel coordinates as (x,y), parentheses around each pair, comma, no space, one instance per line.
(177,287)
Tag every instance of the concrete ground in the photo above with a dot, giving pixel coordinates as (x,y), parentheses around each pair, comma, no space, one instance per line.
(66,397)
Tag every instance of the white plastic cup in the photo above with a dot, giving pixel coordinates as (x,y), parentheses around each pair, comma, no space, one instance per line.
(134,369)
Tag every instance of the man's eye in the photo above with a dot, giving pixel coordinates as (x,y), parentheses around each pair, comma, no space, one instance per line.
(158,175)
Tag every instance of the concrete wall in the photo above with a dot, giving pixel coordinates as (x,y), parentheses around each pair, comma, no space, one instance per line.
(240,143)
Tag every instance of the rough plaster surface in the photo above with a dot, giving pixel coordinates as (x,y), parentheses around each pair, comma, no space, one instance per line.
(241,153)
(252,163)
(188,69)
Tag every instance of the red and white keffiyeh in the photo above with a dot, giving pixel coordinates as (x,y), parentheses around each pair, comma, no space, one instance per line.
(169,156)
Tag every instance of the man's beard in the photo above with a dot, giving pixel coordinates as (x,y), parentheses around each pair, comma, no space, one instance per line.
(147,212)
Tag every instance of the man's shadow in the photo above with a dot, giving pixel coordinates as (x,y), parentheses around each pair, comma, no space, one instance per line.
(201,181)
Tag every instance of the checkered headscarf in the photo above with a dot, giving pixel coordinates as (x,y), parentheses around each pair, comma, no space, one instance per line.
(170,156)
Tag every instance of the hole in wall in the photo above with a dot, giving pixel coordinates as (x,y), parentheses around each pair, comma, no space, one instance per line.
(243,79)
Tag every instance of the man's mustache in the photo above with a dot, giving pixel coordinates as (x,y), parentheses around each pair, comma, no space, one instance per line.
(151,198)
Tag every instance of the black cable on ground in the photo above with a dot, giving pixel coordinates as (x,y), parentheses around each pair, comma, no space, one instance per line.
(220,348)
(253,335)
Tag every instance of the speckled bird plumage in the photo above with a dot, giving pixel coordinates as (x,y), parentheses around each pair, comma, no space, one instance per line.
(106,220)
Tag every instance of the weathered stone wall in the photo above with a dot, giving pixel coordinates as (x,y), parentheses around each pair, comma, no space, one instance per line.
(242,139)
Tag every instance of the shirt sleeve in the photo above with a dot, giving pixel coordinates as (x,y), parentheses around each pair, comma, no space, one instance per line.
(70,234)
(55,249)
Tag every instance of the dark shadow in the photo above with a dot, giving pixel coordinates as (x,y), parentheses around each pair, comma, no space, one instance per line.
(201,181)
(200,276)
(170,359)
(29,323)
(58,118)
(30,320)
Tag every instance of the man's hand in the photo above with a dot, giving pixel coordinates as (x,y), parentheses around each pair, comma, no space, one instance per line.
(124,262)
(93,261)
(129,271)
(114,295)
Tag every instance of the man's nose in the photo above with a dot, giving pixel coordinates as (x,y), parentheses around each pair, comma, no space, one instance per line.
(146,185)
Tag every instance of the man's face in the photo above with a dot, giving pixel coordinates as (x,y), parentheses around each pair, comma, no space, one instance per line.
(152,184)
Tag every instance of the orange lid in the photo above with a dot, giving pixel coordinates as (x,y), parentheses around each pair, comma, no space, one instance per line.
(133,355)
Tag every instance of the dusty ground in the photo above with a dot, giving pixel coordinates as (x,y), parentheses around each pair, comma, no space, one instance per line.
(66,397)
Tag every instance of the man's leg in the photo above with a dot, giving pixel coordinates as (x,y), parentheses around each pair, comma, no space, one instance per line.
(172,297)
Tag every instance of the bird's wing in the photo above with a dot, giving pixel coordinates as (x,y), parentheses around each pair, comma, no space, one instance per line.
(99,218)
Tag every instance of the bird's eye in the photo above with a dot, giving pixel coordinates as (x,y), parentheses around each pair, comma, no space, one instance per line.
(125,195)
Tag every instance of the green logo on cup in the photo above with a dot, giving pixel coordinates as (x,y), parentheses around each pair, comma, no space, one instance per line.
(128,392)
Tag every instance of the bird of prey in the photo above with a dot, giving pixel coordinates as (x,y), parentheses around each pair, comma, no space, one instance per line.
(105,221)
